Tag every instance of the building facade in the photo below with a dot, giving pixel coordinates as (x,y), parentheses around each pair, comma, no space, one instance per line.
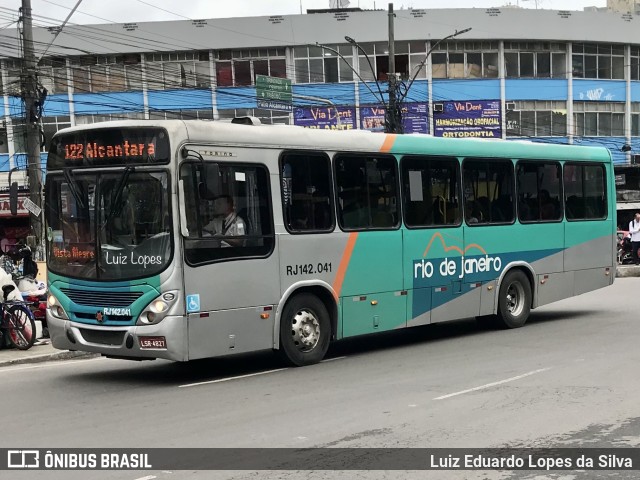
(541,75)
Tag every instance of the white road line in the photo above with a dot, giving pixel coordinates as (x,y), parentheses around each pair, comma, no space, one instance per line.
(49,363)
(148,477)
(332,359)
(489,385)
(220,380)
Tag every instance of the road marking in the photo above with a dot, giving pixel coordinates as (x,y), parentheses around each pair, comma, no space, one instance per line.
(220,380)
(49,363)
(148,477)
(493,384)
(332,359)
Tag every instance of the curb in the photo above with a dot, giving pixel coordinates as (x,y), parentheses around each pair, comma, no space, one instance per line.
(47,357)
(627,271)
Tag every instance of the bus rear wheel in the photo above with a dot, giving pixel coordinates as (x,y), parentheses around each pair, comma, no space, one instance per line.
(514,301)
(305,330)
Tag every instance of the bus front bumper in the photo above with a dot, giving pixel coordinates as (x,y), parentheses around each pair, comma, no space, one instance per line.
(125,341)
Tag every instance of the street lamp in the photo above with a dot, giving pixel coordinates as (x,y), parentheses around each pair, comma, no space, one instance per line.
(433,47)
(373,72)
(381,100)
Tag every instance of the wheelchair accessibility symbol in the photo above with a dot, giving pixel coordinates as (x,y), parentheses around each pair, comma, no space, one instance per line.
(193,303)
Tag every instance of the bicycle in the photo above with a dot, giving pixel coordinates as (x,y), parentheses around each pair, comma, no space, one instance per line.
(16,321)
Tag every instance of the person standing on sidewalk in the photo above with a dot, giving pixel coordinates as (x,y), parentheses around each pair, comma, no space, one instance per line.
(634,231)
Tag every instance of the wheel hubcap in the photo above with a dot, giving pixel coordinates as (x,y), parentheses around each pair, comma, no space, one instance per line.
(305,330)
(515,299)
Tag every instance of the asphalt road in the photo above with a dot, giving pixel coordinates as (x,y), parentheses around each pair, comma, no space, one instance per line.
(568,379)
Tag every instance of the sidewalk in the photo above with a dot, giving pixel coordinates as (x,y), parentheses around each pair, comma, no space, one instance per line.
(628,271)
(42,351)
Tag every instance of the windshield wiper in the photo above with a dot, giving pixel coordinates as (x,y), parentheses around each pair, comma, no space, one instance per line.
(73,187)
(115,203)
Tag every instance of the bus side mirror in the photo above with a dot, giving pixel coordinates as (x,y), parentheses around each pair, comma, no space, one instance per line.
(13,198)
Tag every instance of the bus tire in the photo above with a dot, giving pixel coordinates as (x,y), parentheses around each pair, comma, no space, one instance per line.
(305,330)
(514,301)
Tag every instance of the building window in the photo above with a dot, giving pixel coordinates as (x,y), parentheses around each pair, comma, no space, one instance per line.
(635,63)
(635,119)
(599,119)
(321,65)
(537,119)
(269,117)
(50,125)
(534,60)
(592,60)
(240,67)
(465,60)
(110,73)
(408,57)
(52,74)
(181,115)
(167,71)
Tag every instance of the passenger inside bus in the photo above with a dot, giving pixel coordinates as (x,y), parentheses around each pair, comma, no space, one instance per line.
(226,222)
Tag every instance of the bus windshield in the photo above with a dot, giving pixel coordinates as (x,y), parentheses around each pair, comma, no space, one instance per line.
(108,226)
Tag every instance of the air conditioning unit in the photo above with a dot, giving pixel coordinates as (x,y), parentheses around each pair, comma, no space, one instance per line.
(510,106)
(438,107)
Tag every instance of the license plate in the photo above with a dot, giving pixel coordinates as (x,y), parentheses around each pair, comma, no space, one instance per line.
(154,343)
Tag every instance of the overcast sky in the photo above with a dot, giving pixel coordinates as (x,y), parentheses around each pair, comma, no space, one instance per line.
(101,11)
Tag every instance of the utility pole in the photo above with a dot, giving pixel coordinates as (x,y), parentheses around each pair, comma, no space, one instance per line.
(393,120)
(32,101)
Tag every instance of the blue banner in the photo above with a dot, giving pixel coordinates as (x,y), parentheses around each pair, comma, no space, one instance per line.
(326,118)
(414,118)
(473,118)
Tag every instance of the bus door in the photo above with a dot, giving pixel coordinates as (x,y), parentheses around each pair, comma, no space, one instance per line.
(433,239)
(490,235)
(230,275)
(370,276)
(540,235)
(589,226)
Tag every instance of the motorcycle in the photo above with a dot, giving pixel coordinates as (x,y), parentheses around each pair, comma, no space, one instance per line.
(32,291)
(625,254)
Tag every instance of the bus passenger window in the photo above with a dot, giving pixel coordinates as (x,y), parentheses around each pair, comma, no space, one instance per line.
(488,187)
(538,190)
(307,200)
(431,191)
(367,192)
(585,193)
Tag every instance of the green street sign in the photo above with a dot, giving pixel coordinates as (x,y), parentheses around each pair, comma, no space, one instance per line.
(273,93)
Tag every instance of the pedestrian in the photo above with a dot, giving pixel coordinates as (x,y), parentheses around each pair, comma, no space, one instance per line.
(634,231)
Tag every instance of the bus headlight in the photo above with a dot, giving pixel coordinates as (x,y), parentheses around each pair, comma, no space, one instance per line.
(54,307)
(158,308)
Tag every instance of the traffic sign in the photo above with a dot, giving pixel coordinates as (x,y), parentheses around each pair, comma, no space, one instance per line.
(32,207)
(273,93)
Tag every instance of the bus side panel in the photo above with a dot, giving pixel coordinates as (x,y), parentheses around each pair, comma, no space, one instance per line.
(375,271)
(229,331)
(554,287)
(232,296)
(588,245)
(592,279)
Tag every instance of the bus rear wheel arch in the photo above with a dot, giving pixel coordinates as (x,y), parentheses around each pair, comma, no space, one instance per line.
(305,330)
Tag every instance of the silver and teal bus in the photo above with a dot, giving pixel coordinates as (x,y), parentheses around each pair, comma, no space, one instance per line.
(191,239)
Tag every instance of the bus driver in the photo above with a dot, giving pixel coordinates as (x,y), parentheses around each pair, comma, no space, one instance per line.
(225,222)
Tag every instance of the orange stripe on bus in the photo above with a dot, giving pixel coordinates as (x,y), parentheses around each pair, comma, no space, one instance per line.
(344,263)
(388,142)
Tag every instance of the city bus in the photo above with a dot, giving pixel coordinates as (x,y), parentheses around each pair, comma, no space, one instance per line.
(184,240)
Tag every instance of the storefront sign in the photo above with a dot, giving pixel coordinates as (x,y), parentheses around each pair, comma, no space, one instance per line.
(414,118)
(326,118)
(5,210)
(477,118)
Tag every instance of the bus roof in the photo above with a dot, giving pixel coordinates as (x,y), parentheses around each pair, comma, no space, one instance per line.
(296,137)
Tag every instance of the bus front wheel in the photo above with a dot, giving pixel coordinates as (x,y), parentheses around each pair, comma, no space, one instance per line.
(514,301)
(305,330)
